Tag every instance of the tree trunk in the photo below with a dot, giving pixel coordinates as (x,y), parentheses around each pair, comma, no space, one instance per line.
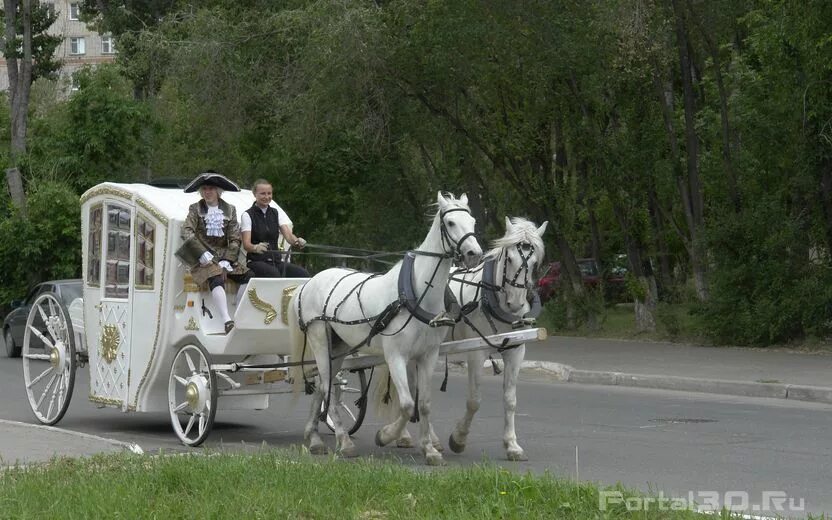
(20,81)
(645,301)
(662,253)
(727,161)
(690,187)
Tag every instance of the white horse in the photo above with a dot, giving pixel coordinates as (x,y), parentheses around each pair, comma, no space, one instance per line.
(401,312)
(496,295)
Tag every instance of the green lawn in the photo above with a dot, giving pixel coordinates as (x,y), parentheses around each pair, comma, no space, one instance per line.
(291,484)
(674,322)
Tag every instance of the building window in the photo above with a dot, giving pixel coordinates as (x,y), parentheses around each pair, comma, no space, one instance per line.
(107,46)
(77,46)
(74,11)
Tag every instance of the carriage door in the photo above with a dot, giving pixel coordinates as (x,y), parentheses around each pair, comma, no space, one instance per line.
(110,362)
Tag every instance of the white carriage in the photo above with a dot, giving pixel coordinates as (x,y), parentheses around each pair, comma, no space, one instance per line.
(151,337)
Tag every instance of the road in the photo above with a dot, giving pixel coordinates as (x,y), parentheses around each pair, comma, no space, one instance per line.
(673,442)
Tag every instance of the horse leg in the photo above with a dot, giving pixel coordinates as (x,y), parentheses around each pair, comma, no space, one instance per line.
(343,444)
(398,375)
(512,359)
(405,440)
(459,436)
(317,341)
(424,377)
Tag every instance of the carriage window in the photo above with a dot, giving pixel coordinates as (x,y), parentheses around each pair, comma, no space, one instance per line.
(145,239)
(118,252)
(94,247)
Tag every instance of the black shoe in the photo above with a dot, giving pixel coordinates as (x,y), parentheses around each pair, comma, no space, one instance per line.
(228,326)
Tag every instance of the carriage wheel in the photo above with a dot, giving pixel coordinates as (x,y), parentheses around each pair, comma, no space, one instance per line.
(192,395)
(351,399)
(49,359)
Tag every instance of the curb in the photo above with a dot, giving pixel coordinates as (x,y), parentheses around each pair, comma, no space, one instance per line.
(566,373)
(129,446)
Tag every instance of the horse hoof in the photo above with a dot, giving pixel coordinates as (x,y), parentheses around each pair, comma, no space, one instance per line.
(516,456)
(403,443)
(438,446)
(434,459)
(378,439)
(455,446)
(348,453)
(318,449)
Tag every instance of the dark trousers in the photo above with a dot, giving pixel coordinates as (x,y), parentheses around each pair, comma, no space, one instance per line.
(278,270)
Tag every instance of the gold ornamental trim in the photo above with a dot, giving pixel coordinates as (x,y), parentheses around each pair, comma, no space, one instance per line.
(153,210)
(191,324)
(288,292)
(152,359)
(110,338)
(106,190)
(106,400)
(260,305)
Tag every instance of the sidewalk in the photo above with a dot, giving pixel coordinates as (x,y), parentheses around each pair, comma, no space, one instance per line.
(24,444)
(732,371)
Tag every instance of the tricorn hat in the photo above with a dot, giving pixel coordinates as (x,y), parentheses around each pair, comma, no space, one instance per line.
(211,178)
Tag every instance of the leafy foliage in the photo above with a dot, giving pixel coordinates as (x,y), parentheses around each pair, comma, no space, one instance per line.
(47,245)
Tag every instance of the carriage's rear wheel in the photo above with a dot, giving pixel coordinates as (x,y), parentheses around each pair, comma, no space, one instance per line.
(350,395)
(49,359)
(192,395)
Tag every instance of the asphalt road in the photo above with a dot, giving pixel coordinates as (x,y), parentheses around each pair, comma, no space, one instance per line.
(682,444)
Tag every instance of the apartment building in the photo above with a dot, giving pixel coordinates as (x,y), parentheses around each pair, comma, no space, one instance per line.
(79,47)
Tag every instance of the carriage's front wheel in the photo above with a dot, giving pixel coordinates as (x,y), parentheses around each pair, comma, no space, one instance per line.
(350,396)
(192,395)
(48,359)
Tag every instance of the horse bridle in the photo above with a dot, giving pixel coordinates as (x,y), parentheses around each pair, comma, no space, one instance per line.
(524,267)
(456,247)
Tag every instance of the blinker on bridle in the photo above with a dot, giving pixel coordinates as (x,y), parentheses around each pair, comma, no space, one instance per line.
(524,267)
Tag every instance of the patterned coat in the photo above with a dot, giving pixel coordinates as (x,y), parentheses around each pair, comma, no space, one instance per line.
(226,247)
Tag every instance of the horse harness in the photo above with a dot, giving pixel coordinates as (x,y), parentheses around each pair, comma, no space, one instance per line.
(407,294)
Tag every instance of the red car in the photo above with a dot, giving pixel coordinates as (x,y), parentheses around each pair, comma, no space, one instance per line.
(614,282)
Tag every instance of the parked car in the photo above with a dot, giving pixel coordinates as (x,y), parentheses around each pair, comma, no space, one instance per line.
(14,325)
(614,280)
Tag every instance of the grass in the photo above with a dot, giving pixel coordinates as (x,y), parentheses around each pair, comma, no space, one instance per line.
(674,322)
(291,484)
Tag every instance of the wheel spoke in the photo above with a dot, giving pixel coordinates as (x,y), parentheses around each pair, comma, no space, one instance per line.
(46,390)
(47,322)
(349,412)
(202,423)
(181,407)
(41,337)
(54,393)
(41,376)
(181,380)
(190,425)
(62,393)
(39,357)
(190,363)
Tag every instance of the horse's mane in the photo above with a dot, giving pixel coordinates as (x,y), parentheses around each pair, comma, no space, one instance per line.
(523,230)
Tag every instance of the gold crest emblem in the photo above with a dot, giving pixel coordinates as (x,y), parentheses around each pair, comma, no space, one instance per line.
(110,338)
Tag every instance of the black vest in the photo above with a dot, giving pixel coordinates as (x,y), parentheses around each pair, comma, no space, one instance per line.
(265,227)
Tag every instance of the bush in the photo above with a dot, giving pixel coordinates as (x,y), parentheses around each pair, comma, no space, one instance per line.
(45,246)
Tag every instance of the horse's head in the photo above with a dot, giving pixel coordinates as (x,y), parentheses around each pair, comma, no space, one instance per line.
(521,250)
(457,226)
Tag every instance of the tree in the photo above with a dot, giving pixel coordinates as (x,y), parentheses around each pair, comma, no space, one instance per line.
(24,45)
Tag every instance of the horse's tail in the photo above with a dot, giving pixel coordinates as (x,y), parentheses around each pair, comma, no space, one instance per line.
(297,340)
(385,398)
